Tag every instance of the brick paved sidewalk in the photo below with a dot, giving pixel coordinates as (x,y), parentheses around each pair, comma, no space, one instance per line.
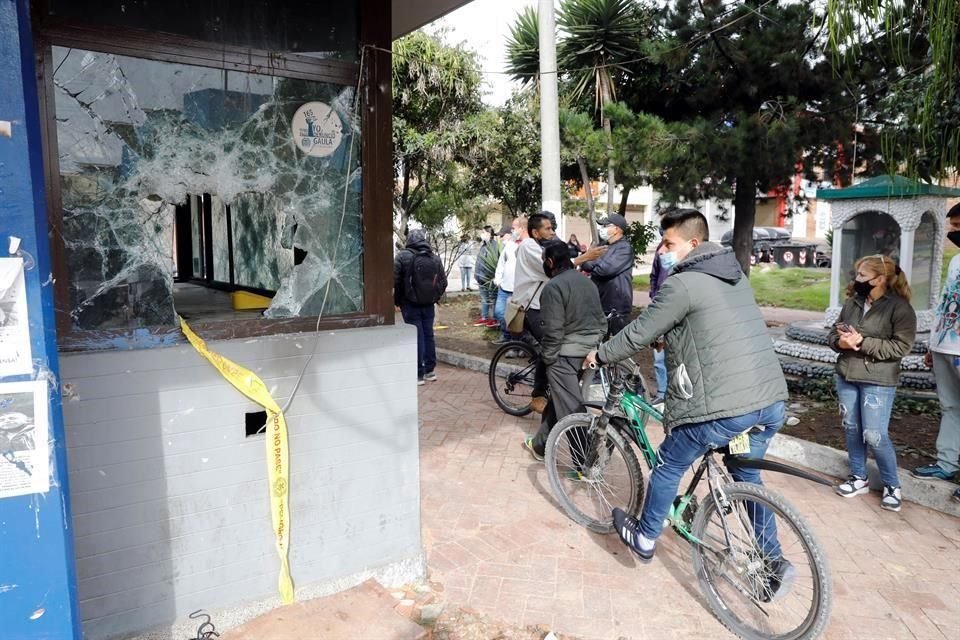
(497,541)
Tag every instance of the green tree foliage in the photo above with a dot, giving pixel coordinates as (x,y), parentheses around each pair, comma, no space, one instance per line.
(599,36)
(523,48)
(504,154)
(749,93)
(918,111)
(436,90)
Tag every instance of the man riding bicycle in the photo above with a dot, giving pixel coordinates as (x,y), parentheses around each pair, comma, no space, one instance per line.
(723,376)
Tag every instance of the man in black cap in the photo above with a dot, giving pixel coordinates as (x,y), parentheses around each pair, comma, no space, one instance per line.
(612,271)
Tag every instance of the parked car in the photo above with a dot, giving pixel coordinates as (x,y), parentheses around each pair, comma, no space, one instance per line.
(763,239)
(761,236)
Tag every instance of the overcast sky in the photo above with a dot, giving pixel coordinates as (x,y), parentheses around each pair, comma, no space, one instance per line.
(485,25)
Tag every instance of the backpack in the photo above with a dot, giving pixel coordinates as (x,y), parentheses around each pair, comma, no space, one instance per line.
(426,279)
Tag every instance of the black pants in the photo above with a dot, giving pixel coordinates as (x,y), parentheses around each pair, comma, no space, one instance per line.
(565,397)
(531,322)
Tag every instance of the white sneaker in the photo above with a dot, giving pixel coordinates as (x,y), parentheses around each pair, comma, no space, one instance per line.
(853,486)
(431,377)
(891,499)
(421,382)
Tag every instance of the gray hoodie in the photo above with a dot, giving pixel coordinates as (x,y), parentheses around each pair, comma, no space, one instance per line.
(719,356)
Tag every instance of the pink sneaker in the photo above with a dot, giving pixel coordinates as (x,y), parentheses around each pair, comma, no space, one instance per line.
(482,322)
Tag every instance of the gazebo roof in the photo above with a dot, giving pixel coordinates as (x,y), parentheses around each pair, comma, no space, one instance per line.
(886,186)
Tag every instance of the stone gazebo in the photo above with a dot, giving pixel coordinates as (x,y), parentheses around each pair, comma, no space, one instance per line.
(892,216)
(896,217)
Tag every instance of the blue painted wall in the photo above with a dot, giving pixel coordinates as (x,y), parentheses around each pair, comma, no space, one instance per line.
(37,578)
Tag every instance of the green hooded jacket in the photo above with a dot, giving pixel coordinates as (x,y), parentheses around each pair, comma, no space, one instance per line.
(719,355)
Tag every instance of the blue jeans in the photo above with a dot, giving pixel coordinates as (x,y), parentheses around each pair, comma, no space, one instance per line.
(465,273)
(500,310)
(660,370)
(488,301)
(687,443)
(421,316)
(865,414)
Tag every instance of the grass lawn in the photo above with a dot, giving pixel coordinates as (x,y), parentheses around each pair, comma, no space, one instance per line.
(793,288)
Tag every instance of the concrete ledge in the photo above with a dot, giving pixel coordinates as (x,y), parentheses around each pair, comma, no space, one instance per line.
(934,494)
(405,571)
(463,360)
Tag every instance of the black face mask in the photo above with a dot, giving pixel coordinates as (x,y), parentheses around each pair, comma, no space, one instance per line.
(862,288)
(954,237)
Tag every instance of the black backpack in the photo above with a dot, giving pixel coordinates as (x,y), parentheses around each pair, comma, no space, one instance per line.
(426,279)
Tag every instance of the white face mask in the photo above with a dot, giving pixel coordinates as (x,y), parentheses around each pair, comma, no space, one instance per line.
(603,234)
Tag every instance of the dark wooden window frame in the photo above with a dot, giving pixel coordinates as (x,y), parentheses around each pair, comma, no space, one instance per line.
(376,160)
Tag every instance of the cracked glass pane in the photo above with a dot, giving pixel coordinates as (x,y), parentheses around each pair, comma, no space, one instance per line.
(140,140)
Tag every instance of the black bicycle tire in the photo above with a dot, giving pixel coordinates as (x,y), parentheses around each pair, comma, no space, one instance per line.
(516,345)
(634,471)
(816,623)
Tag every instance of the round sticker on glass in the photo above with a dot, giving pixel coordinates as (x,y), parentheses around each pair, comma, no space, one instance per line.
(317,129)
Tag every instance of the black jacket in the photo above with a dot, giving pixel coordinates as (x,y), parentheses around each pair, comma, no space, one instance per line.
(416,243)
(613,275)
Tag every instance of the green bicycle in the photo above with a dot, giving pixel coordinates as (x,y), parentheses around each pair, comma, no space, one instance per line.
(592,468)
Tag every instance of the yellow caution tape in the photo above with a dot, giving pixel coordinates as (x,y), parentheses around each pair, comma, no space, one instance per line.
(278,469)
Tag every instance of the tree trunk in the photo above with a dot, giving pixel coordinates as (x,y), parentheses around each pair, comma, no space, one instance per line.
(591,215)
(745,213)
(623,202)
(611,174)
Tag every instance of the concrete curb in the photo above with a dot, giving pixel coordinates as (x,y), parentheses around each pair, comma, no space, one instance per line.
(934,494)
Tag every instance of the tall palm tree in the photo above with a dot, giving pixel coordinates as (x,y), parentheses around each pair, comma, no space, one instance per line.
(523,48)
(599,37)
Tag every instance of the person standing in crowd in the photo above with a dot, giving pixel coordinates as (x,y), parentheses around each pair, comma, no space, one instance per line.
(574,245)
(875,330)
(419,281)
(612,272)
(657,275)
(468,257)
(944,356)
(504,278)
(530,280)
(573,324)
(485,269)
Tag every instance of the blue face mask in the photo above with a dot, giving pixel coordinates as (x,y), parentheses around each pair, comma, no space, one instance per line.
(668,260)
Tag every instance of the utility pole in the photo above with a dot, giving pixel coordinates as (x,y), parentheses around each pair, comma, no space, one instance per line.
(549,115)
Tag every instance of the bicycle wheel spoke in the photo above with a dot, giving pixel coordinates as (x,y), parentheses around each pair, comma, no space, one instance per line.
(591,473)
(757,567)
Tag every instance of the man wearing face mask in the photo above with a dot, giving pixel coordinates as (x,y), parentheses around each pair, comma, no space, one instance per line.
(573,324)
(612,271)
(944,357)
(723,376)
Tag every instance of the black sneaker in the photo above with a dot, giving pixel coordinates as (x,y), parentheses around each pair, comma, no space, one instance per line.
(628,528)
(780,580)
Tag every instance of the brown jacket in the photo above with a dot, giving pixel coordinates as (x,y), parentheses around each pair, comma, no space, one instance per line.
(888,331)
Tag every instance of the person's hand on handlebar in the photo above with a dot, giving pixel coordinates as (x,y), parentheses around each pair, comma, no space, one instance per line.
(590,361)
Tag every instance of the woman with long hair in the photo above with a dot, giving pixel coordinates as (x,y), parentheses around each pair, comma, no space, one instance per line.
(875,330)
(574,246)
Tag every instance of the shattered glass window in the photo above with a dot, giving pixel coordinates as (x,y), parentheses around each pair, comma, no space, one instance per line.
(139,138)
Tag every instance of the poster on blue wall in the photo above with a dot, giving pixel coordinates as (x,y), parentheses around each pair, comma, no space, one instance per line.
(15,353)
(24,439)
